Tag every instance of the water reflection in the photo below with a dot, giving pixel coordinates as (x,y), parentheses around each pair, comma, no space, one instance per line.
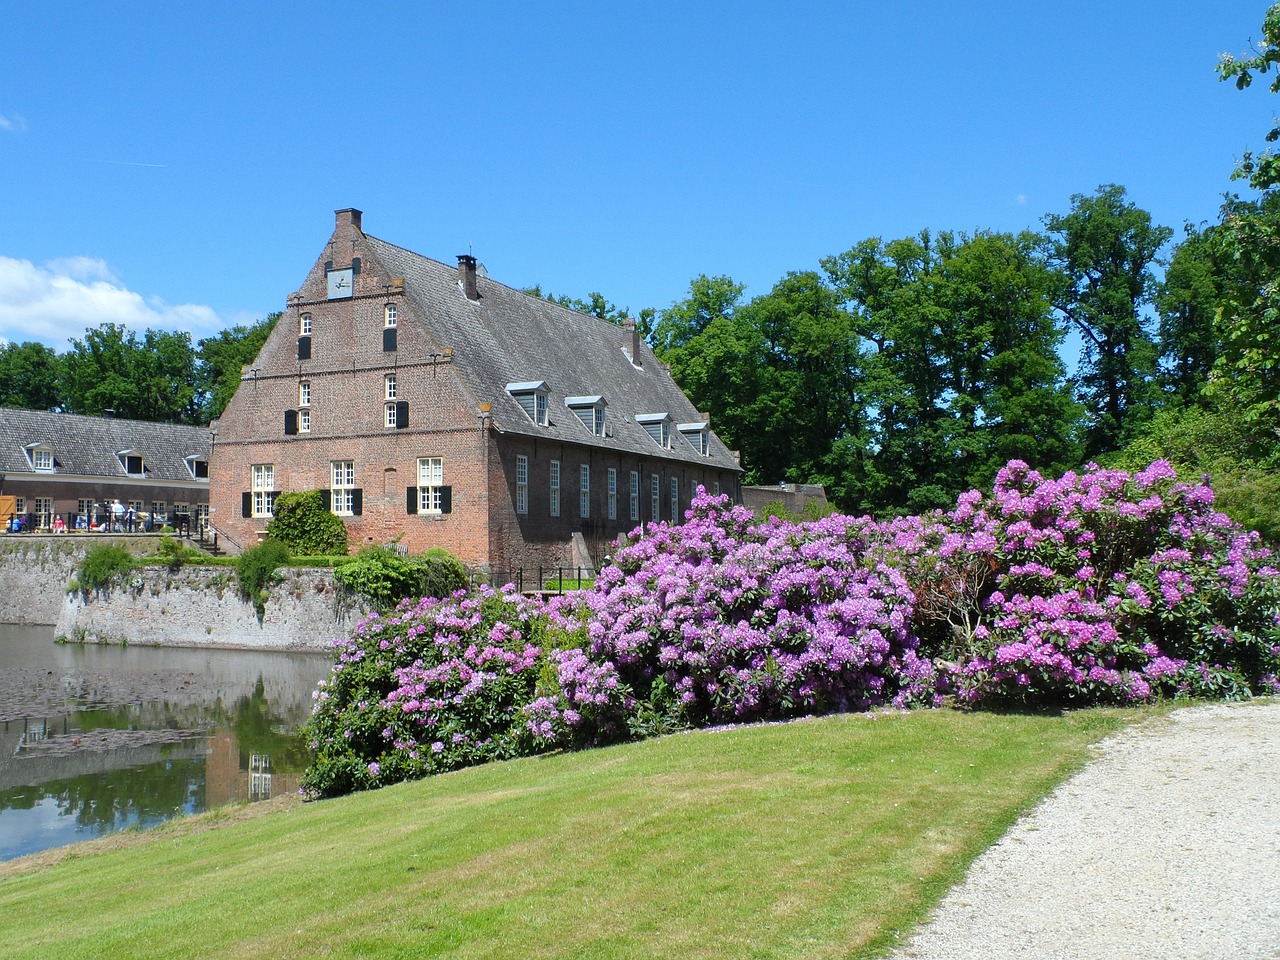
(99,739)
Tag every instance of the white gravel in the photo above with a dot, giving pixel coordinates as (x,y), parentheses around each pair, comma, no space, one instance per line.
(1167,845)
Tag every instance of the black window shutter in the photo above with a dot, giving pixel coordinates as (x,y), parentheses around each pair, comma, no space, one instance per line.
(411,500)
(402,414)
(357,502)
(388,339)
(304,348)
(246,504)
(446,499)
(290,422)
(326,501)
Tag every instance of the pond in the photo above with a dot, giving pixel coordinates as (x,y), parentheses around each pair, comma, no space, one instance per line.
(95,739)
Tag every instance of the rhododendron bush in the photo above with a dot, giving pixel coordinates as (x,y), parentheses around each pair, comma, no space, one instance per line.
(1096,587)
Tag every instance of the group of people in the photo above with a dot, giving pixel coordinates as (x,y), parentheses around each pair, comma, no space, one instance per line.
(113,517)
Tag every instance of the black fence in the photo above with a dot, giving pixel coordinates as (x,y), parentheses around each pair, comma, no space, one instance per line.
(540,580)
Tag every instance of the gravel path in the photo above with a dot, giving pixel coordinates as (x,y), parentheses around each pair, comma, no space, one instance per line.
(1167,845)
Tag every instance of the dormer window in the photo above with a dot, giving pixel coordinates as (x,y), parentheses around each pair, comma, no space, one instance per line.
(590,410)
(198,467)
(389,315)
(658,426)
(40,456)
(532,397)
(697,435)
(131,460)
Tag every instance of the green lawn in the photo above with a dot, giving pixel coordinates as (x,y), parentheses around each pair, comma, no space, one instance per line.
(821,838)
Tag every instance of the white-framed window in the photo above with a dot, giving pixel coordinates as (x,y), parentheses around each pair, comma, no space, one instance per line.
(135,506)
(304,393)
(44,511)
(655,498)
(675,500)
(522,484)
(430,484)
(716,488)
(613,493)
(19,505)
(389,387)
(263,486)
(555,488)
(84,507)
(532,397)
(180,509)
(389,414)
(590,411)
(159,509)
(304,325)
(198,467)
(41,459)
(304,420)
(342,494)
(389,315)
(658,426)
(584,491)
(635,495)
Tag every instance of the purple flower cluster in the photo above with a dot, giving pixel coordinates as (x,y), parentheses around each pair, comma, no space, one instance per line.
(435,685)
(1096,587)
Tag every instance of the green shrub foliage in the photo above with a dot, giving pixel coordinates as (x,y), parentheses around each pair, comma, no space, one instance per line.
(384,577)
(305,527)
(256,568)
(103,565)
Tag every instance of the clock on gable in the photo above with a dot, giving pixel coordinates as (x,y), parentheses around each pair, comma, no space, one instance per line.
(339,283)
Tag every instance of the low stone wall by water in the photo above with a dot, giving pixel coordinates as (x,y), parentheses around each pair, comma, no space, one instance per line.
(35,571)
(192,607)
(200,607)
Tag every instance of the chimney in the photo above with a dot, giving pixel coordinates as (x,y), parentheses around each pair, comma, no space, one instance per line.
(467,275)
(348,215)
(635,340)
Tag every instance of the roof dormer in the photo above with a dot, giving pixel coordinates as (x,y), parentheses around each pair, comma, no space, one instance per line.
(41,457)
(532,397)
(658,426)
(132,462)
(589,410)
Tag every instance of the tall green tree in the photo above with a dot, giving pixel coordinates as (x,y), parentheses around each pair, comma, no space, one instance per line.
(1187,300)
(709,298)
(152,378)
(1105,248)
(220,360)
(29,376)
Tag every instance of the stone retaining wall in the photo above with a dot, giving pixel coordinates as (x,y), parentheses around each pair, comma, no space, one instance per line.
(192,607)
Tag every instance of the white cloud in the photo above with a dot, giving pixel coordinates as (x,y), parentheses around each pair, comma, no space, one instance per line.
(61,299)
(14,124)
(1021,199)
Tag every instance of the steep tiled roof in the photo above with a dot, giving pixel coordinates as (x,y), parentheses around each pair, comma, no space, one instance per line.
(510,337)
(89,446)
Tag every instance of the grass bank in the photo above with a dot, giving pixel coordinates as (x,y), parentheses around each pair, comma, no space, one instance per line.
(814,839)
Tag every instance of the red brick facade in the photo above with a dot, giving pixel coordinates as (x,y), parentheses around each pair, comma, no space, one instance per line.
(304,406)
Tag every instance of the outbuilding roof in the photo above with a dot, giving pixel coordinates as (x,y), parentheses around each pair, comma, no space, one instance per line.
(95,446)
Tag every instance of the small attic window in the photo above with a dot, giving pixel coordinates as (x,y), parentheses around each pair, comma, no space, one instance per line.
(532,397)
(198,467)
(696,434)
(658,426)
(590,410)
(390,314)
(40,456)
(132,462)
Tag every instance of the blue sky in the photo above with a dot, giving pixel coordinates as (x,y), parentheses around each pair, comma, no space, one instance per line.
(177,165)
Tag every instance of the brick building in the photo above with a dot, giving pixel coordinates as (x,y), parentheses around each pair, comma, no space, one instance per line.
(433,404)
(65,466)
